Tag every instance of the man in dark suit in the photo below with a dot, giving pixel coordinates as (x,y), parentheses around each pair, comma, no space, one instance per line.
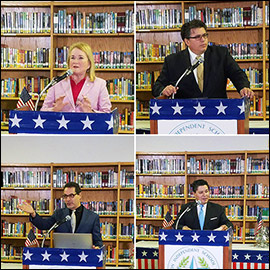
(85,221)
(217,67)
(212,215)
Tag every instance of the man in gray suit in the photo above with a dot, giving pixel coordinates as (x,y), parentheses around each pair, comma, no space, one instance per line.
(202,214)
(86,221)
(218,66)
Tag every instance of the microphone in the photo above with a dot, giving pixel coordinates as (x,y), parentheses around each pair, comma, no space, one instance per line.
(54,226)
(186,210)
(52,83)
(188,71)
(62,77)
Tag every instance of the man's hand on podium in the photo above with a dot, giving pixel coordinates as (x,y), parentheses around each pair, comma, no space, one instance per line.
(246,92)
(186,228)
(169,90)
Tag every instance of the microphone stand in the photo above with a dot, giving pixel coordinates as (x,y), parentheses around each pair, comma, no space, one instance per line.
(47,234)
(52,82)
(186,210)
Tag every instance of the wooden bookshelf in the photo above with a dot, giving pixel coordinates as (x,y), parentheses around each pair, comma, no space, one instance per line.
(120,193)
(243,181)
(218,35)
(122,42)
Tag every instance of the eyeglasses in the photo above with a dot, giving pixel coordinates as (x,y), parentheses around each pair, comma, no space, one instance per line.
(71,196)
(199,37)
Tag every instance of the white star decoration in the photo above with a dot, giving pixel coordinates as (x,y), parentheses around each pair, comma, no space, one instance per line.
(195,237)
(242,107)
(259,257)
(155,109)
(100,257)
(46,256)
(87,123)
(63,122)
(83,257)
(247,257)
(155,254)
(211,237)
(15,121)
(163,236)
(221,108)
(227,237)
(39,122)
(28,255)
(64,256)
(144,253)
(179,237)
(199,108)
(177,109)
(110,123)
(235,256)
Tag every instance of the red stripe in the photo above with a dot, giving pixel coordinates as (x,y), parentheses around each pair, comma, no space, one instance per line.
(248,266)
(241,265)
(145,264)
(153,264)
(255,266)
(263,266)
(139,264)
(30,104)
(20,104)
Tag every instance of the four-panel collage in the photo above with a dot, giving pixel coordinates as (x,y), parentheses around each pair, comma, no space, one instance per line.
(135,134)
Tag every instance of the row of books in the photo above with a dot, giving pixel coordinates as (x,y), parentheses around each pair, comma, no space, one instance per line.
(25,22)
(9,206)
(121,89)
(90,179)
(158,18)
(124,256)
(86,23)
(12,87)
(252,212)
(110,254)
(155,190)
(160,165)
(234,211)
(226,191)
(145,210)
(126,178)
(19,58)
(126,206)
(145,79)
(126,120)
(10,252)
(26,179)
(142,108)
(245,50)
(218,166)
(126,231)
(108,230)
(257,190)
(226,17)
(155,52)
(258,165)
(147,230)
(102,59)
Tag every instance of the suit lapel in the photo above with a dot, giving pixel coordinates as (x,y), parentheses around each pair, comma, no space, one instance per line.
(207,67)
(85,89)
(194,213)
(83,220)
(68,223)
(68,92)
(207,215)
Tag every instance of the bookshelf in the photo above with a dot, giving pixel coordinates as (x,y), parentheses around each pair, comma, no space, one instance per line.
(238,181)
(257,67)
(107,37)
(107,189)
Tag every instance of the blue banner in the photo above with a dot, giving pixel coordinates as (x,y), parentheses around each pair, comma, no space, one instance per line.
(63,122)
(195,237)
(55,256)
(172,109)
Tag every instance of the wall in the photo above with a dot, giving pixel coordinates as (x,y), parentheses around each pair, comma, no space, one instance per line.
(66,149)
(201,143)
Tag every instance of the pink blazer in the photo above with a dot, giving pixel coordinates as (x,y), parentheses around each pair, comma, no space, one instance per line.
(96,92)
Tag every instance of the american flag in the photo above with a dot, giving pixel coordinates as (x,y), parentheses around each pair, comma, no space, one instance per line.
(259,223)
(31,239)
(25,100)
(168,220)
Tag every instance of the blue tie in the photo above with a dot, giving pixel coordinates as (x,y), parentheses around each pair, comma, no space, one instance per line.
(201,217)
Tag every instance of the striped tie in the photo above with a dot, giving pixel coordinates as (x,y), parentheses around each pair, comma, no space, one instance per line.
(200,74)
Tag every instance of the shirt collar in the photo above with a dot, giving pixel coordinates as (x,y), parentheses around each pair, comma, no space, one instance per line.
(193,56)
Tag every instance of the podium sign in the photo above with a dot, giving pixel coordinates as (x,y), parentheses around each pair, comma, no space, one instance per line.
(52,258)
(192,249)
(63,122)
(199,116)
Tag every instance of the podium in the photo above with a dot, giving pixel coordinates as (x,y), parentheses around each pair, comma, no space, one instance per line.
(54,258)
(194,249)
(63,122)
(199,116)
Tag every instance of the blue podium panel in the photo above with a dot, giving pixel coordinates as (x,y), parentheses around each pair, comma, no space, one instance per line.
(63,122)
(172,109)
(48,257)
